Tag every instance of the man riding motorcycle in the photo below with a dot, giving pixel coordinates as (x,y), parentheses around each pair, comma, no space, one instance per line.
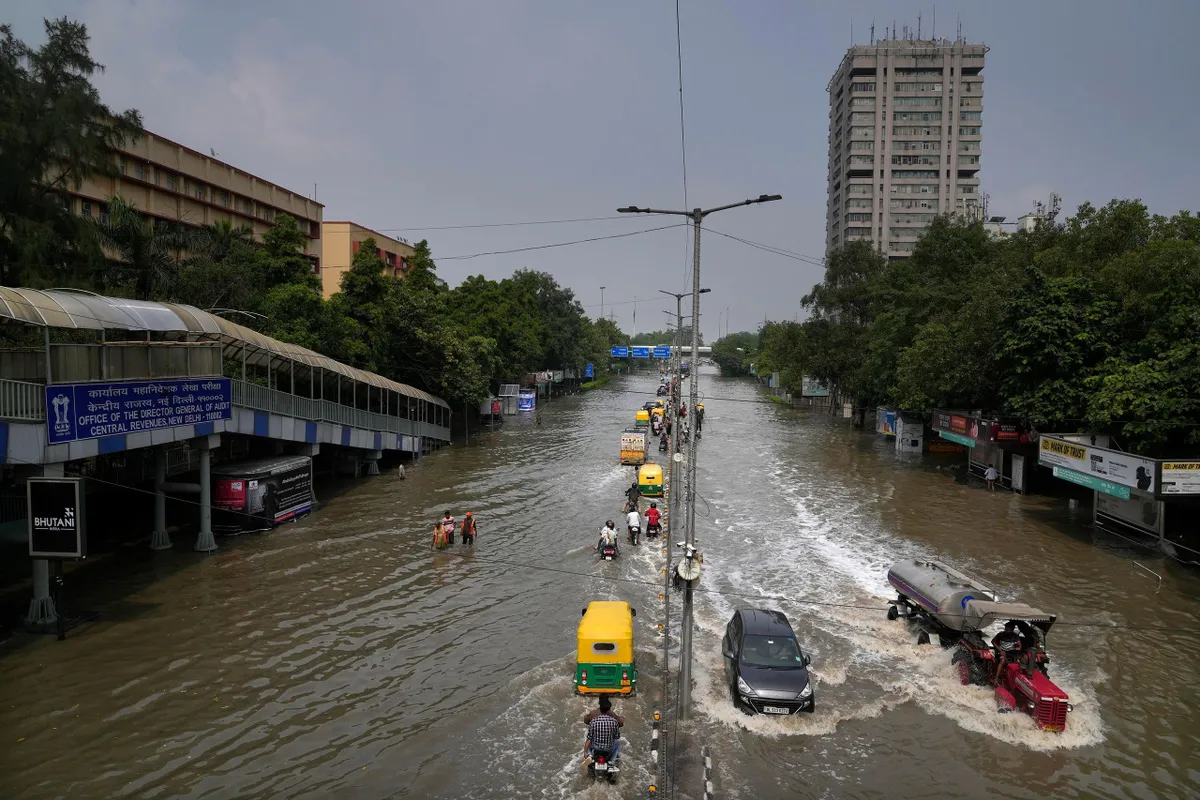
(604,733)
(634,524)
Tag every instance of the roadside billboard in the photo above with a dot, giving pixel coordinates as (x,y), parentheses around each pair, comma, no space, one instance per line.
(885,421)
(811,387)
(1179,478)
(1100,464)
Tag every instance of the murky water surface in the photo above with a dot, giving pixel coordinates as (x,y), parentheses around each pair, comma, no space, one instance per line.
(339,657)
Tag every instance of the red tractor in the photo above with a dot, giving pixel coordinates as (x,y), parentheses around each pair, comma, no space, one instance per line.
(957,608)
(1014,663)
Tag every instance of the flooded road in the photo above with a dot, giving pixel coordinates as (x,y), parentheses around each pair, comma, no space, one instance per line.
(339,657)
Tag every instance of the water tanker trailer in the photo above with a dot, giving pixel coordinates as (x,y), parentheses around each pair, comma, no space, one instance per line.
(957,609)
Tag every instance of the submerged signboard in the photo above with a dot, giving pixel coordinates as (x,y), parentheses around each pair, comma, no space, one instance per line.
(92,410)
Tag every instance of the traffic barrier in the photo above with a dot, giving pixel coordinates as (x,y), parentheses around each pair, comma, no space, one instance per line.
(708,787)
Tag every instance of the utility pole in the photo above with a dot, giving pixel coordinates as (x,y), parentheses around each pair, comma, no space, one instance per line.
(602,302)
(697,216)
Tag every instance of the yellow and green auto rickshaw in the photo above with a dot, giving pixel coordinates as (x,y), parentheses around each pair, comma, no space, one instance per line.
(650,480)
(642,418)
(604,663)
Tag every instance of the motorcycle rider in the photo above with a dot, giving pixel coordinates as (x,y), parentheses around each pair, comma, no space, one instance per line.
(604,733)
(652,520)
(633,521)
(608,535)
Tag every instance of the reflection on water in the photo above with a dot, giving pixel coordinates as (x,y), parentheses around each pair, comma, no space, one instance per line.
(341,657)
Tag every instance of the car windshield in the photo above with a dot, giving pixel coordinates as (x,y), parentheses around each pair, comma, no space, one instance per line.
(771,652)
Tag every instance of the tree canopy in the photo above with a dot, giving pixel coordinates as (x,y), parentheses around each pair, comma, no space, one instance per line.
(1089,324)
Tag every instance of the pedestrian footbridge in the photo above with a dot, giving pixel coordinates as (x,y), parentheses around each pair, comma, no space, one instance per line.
(138,390)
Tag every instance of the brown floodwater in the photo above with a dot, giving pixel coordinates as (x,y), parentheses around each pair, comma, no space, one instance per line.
(340,657)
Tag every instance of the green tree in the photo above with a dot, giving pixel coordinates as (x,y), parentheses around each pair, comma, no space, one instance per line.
(143,258)
(54,133)
(735,352)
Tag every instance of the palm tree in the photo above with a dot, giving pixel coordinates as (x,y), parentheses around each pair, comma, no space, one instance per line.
(216,240)
(138,252)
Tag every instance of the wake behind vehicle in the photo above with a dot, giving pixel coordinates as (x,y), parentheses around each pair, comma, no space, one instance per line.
(766,670)
(604,659)
(957,609)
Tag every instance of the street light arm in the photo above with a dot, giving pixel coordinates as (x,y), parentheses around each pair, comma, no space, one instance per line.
(636,210)
(762,198)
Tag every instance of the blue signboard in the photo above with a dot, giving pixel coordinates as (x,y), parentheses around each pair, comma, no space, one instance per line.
(620,352)
(589,371)
(662,351)
(641,352)
(526,400)
(92,410)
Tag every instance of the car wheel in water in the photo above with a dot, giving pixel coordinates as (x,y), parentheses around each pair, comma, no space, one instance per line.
(923,637)
(893,613)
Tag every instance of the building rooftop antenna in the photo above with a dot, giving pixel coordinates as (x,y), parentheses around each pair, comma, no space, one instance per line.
(872,30)
(918,25)
(933,25)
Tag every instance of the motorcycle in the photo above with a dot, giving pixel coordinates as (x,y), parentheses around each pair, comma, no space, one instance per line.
(662,443)
(653,529)
(601,768)
(608,551)
(635,533)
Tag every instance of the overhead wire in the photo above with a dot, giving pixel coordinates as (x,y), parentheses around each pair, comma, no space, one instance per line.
(625,217)
(560,244)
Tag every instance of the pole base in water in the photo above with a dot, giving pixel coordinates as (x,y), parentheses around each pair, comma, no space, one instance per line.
(160,540)
(205,543)
(41,612)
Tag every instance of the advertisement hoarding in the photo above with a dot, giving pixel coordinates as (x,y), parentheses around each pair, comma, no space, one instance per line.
(56,517)
(1092,482)
(526,400)
(885,421)
(1139,511)
(811,387)
(1179,478)
(77,411)
(1114,466)
(261,494)
(589,371)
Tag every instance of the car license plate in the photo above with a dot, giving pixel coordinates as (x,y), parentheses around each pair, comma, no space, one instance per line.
(776,710)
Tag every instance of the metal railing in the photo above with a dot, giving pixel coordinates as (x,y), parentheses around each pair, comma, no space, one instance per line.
(22,401)
(260,398)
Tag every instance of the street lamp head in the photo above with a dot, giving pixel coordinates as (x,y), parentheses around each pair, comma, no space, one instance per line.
(628,210)
(766,198)
(705,291)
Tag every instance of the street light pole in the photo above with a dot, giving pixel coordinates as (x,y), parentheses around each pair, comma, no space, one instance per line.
(697,216)
(602,302)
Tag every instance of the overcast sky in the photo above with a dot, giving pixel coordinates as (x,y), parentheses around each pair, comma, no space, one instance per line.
(419,114)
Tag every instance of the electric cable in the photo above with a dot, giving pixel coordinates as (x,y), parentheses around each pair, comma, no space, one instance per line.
(625,217)
(560,244)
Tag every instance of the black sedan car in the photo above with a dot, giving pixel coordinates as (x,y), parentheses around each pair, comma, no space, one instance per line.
(766,669)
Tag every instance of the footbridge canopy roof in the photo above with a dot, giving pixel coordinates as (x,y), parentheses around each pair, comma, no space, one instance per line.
(77,309)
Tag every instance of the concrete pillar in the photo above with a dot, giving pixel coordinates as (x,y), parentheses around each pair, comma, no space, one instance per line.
(205,543)
(41,606)
(372,458)
(160,539)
